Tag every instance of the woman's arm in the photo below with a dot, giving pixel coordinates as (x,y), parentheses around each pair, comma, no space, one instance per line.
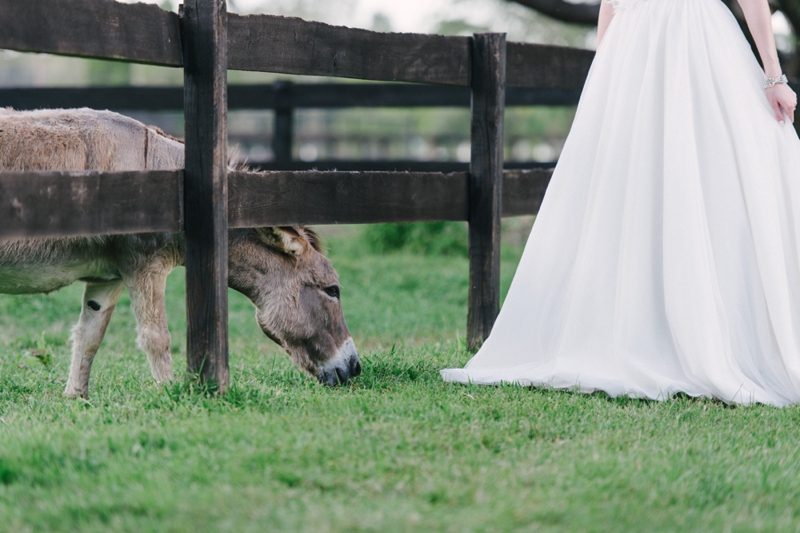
(606,14)
(759,20)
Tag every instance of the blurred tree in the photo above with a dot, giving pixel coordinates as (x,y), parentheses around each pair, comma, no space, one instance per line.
(459,27)
(381,22)
(791,10)
(565,11)
(102,72)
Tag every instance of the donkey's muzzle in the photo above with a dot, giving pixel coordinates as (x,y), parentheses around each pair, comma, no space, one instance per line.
(339,373)
(342,367)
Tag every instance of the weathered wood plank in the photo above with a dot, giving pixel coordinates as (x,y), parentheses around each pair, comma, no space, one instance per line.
(206,191)
(279,198)
(485,183)
(39,204)
(523,190)
(533,96)
(259,96)
(397,165)
(147,34)
(293,46)
(547,67)
(336,95)
(61,204)
(141,33)
(285,198)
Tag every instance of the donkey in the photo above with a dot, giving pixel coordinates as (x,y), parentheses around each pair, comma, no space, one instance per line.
(282,270)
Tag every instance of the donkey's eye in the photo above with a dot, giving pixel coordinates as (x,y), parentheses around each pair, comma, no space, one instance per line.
(332,291)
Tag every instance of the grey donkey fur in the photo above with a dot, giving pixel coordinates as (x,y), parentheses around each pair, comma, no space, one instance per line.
(281,270)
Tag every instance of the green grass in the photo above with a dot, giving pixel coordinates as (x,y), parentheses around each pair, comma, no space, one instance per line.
(397,450)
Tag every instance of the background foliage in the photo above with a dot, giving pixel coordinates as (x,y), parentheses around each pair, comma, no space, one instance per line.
(428,238)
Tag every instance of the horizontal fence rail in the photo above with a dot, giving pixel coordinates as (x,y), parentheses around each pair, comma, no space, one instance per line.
(273,96)
(388,165)
(152,201)
(547,67)
(523,190)
(286,198)
(49,204)
(144,33)
(268,43)
(140,33)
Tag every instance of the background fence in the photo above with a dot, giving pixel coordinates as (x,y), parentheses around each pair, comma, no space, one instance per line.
(285,98)
(204,199)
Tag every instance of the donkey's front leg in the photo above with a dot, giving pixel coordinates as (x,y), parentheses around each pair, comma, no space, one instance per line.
(99,300)
(147,287)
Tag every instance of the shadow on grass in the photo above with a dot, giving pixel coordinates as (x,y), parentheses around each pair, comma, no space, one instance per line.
(679,399)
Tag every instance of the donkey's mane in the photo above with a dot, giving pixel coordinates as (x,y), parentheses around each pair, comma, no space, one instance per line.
(167,135)
(233,164)
(314,239)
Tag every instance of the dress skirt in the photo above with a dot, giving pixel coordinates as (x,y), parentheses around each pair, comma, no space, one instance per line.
(666,254)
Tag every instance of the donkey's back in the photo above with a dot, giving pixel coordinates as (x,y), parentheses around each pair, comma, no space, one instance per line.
(83,139)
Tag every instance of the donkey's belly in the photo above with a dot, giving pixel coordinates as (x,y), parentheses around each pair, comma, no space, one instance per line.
(49,278)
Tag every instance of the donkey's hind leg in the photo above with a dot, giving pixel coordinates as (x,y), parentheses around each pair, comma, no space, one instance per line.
(99,301)
(147,287)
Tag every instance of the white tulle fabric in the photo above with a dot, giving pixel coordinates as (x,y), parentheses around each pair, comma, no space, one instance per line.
(665,257)
(622,3)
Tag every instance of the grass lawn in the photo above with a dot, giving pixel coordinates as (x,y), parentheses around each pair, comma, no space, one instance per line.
(397,450)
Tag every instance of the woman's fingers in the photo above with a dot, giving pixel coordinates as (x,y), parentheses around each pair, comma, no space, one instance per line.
(776,109)
(783,101)
(787,107)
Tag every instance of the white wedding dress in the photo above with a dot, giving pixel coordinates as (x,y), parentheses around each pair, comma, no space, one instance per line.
(666,254)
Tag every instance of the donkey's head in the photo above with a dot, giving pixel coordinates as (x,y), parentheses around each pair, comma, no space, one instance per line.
(297,297)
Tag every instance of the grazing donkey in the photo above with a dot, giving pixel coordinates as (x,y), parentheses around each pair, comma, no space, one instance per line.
(281,270)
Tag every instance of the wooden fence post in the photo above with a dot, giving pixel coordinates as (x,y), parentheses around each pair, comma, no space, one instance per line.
(485,183)
(205,45)
(284,126)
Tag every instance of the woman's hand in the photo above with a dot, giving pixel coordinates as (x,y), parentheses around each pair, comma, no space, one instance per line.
(783,100)
(759,19)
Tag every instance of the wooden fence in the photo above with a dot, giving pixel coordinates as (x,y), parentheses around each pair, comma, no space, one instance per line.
(204,199)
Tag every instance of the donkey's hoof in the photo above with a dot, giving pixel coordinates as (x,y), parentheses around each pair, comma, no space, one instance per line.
(163,375)
(73,393)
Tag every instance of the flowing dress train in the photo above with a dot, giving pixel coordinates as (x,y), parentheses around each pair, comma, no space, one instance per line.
(666,254)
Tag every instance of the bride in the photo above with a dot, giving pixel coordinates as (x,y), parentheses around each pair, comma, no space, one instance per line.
(666,254)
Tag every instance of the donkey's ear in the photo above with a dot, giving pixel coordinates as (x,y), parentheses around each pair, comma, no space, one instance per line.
(285,238)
